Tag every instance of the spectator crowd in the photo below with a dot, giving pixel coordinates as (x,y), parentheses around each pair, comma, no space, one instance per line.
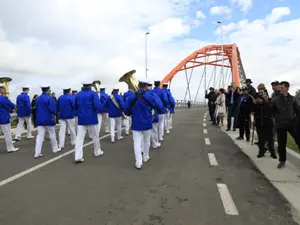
(274,116)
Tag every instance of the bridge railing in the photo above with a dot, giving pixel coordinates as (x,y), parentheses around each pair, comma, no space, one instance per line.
(184,103)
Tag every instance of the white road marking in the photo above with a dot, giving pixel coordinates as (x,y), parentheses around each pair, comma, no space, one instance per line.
(227,201)
(205,131)
(212,159)
(32,169)
(207,141)
(204,124)
(204,120)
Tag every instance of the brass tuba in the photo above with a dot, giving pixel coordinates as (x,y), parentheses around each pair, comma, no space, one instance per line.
(130,80)
(5,81)
(96,85)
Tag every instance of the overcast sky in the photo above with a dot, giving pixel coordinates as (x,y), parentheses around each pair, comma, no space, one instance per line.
(65,42)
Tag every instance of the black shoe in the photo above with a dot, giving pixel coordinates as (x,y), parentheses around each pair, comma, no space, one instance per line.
(239,138)
(248,139)
(260,155)
(227,129)
(234,129)
(273,155)
(280,165)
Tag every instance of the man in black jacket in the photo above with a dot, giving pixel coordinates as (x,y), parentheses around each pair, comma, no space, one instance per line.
(264,121)
(211,96)
(251,89)
(244,118)
(285,110)
(233,101)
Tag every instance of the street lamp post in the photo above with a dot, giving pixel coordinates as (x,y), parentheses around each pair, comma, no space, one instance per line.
(146,66)
(222,73)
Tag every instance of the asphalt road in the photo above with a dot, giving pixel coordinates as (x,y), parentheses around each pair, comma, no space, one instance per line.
(177,186)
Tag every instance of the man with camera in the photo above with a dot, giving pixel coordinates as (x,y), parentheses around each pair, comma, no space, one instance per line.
(264,121)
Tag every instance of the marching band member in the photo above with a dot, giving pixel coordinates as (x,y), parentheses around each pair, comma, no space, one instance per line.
(87,105)
(66,108)
(24,112)
(105,118)
(127,120)
(6,107)
(45,120)
(171,103)
(172,110)
(74,93)
(155,120)
(140,107)
(164,99)
(115,106)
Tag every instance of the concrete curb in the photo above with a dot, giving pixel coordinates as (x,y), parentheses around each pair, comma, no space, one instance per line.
(286,180)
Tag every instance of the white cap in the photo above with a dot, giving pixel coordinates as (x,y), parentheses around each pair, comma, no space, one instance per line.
(87,83)
(25,87)
(144,81)
(116,89)
(66,88)
(45,86)
(1,86)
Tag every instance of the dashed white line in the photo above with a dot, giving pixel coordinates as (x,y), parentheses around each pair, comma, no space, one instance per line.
(205,131)
(204,124)
(207,141)
(204,120)
(212,159)
(32,169)
(229,206)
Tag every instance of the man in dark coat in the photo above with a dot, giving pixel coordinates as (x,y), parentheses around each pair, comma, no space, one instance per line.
(244,114)
(286,110)
(211,96)
(233,101)
(264,121)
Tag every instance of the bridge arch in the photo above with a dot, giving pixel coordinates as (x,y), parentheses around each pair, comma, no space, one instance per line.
(231,55)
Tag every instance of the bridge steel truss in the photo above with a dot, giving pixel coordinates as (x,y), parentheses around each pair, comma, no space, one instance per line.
(211,55)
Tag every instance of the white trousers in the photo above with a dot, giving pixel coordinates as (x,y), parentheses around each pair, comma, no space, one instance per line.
(21,124)
(40,138)
(113,122)
(7,136)
(167,122)
(140,137)
(80,139)
(106,122)
(161,124)
(154,135)
(70,123)
(99,123)
(170,121)
(127,122)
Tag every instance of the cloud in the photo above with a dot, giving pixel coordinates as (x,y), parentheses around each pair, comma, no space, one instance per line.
(200,14)
(268,49)
(218,10)
(243,4)
(277,14)
(62,42)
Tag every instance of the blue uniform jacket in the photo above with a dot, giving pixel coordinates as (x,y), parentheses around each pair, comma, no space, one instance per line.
(45,110)
(6,107)
(127,94)
(156,118)
(163,97)
(88,106)
(171,102)
(24,106)
(66,107)
(141,111)
(103,98)
(112,109)
(74,109)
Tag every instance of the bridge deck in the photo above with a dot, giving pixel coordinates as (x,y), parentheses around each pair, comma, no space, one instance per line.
(178,186)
